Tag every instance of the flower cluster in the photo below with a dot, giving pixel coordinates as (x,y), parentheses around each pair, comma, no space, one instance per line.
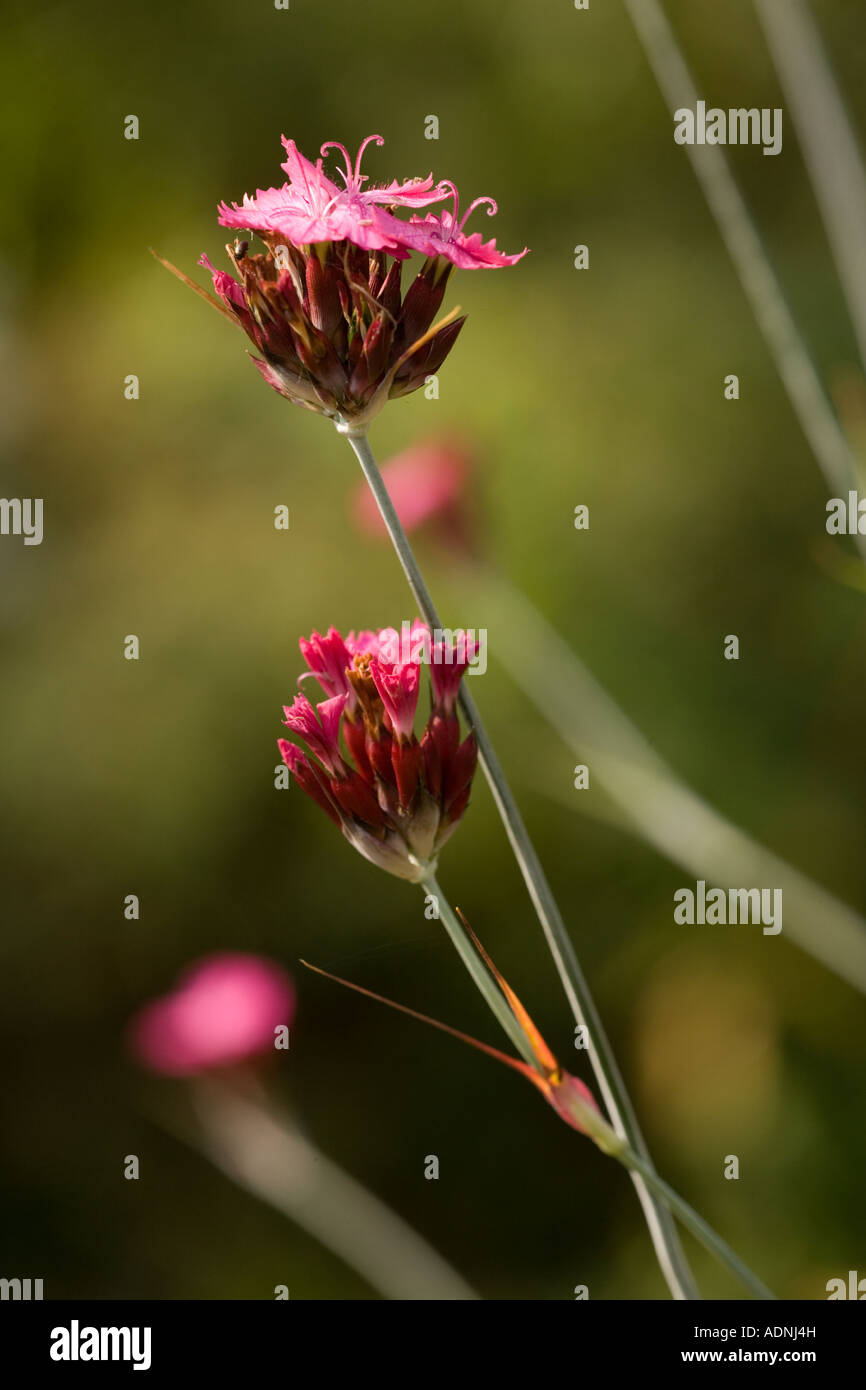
(323,303)
(396,798)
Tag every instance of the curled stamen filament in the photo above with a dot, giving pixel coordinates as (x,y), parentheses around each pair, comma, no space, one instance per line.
(359,177)
(335,145)
(352,177)
(458,222)
(476,203)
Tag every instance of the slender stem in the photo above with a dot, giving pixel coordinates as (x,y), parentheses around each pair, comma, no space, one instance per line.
(484,982)
(827,140)
(662,1228)
(588,1119)
(700,1229)
(828,442)
(610,1143)
(660,807)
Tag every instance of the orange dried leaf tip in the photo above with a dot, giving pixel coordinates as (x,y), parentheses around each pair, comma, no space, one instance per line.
(202,293)
(545,1057)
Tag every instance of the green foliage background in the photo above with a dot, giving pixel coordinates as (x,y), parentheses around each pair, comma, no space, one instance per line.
(707,517)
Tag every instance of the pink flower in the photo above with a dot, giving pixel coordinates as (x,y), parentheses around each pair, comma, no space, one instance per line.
(323,304)
(426,483)
(396,798)
(310,208)
(224,1010)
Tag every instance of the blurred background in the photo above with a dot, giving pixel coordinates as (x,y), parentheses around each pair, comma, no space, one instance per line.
(156,777)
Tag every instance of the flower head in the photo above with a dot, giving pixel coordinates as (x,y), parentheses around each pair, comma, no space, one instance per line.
(323,302)
(224,1010)
(335,332)
(395,797)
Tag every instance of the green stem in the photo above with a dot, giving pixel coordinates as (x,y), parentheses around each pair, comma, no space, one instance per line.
(588,1119)
(656,804)
(484,982)
(700,1229)
(662,1228)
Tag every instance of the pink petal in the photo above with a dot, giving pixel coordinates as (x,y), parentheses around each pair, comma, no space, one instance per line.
(398,688)
(447,666)
(307,179)
(414,193)
(228,289)
(328,658)
(225,1009)
(321,736)
(437,235)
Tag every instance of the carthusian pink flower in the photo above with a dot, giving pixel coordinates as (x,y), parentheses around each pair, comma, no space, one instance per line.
(323,302)
(225,1009)
(395,797)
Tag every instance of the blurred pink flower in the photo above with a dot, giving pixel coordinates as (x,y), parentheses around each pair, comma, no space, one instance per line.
(426,482)
(225,1009)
